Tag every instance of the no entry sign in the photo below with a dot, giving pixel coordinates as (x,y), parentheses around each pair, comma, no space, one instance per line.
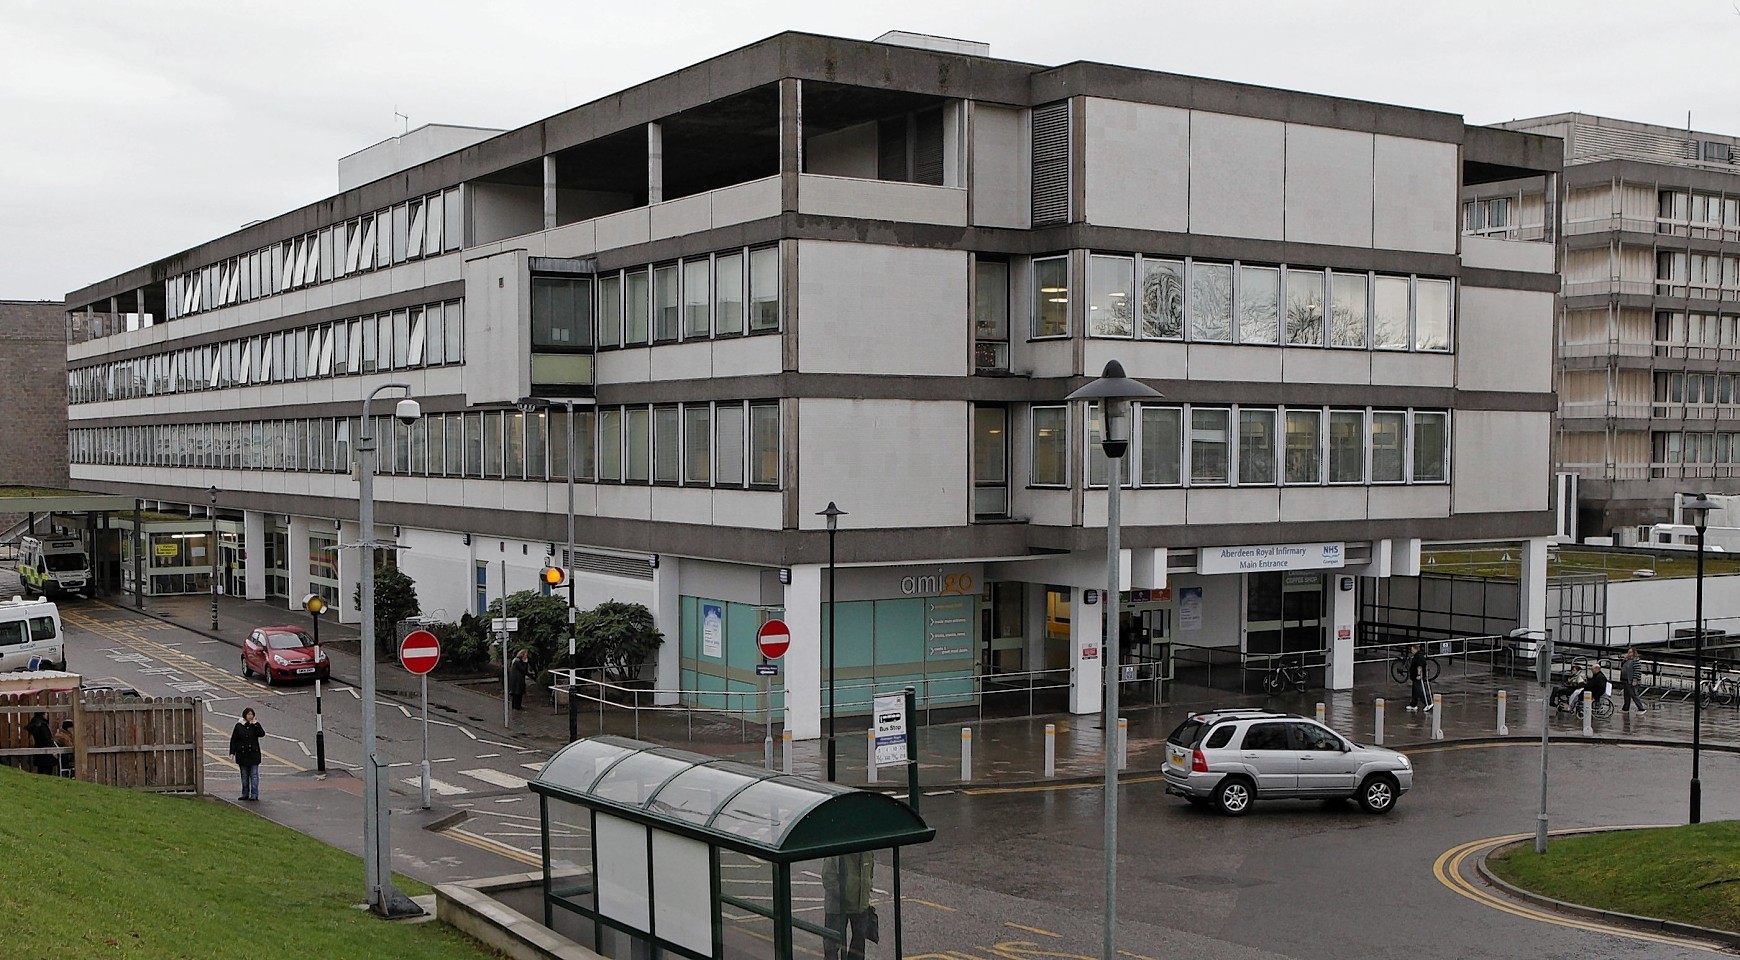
(420,651)
(774,638)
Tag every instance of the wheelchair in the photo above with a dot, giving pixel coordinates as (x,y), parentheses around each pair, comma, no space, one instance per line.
(1570,700)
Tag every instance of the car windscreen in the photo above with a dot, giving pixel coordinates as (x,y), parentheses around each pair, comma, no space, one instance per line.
(65,562)
(1188,733)
(288,640)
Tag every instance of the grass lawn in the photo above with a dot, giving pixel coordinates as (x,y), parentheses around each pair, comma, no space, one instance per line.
(89,871)
(1690,874)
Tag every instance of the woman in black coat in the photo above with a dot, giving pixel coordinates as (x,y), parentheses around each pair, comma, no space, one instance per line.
(245,750)
(41,736)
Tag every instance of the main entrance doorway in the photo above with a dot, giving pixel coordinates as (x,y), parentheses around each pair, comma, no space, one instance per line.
(1283,612)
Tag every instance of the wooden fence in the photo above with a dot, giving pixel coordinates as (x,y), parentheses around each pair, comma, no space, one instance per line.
(152,744)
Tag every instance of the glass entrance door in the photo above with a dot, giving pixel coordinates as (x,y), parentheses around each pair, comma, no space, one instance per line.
(1283,612)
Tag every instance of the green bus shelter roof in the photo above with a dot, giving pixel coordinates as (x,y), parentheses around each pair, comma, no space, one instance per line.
(734,805)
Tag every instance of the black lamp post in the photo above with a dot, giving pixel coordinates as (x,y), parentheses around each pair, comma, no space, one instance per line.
(315,606)
(1113,392)
(214,559)
(1699,509)
(833,515)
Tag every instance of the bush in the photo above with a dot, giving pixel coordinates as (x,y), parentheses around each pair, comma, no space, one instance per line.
(395,600)
(617,637)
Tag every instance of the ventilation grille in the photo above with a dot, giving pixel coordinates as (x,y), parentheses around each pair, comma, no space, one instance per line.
(1051,164)
(610,565)
(1608,143)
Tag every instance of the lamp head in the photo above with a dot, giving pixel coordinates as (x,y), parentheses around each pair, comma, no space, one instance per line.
(408,411)
(314,604)
(1698,509)
(833,515)
(528,404)
(1114,391)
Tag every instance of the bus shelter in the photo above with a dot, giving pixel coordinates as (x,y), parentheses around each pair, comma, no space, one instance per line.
(655,852)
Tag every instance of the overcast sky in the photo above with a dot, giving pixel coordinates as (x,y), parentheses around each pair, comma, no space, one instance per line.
(133,130)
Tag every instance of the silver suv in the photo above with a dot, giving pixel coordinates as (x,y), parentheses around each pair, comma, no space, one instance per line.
(1233,758)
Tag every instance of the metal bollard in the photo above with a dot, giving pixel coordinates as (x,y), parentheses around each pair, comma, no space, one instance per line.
(1051,749)
(1503,699)
(1437,716)
(966,754)
(1123,743)
(870,753)
(1378,736)
(1321,713)
(1588,714)
(788,744)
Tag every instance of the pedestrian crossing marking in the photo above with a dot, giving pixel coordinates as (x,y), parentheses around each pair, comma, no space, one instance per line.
(497,777)
(441,787)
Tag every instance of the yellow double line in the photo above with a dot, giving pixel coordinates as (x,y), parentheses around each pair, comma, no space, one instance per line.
(1449,869)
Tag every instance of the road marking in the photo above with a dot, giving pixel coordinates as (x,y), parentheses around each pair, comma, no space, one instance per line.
(537,767)
(928,903)
(1448,868)
(1043,933)
(1044,788)
(441,787)
(497,777)
(515,800)
(499,849)
(487,756)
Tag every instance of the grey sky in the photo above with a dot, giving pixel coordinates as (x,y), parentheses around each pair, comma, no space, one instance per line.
(135,130)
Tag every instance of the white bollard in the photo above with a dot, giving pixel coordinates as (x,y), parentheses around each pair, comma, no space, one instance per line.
(1123,743)
(966,754)
(788,745)
(1437,716)
(1503,699)
(1051,749)
(1321,713)
(1378,736)
(1588,714)
(870,752)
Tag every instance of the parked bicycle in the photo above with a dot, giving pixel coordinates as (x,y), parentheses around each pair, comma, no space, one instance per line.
(1399,667)
(1282,675)
(1717,689)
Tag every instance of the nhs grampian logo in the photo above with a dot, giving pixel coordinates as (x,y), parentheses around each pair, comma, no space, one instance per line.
(1332,554)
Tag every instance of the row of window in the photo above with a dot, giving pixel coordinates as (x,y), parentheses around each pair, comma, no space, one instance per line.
(1482,215)
(728,444)
(424,336)
(1698,209)
(1697,329)
(722,294)
(1711,271)
(1156,298)
(423,227)
(1713,447)
(1697,388)
(1198,445)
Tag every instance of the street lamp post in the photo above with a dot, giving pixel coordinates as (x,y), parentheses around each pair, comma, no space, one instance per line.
(384,899)
(1114,392)
(527,405)
(1700,509)
(315,607)
(214,559)
(1544,675)
(833,514)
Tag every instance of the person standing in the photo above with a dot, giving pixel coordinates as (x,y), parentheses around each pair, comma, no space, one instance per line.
(517,675)
(1628,670)
(1417,676)
(245,751)
(42,738)
(847,881)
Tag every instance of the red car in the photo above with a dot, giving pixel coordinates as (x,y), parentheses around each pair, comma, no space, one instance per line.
(283,653)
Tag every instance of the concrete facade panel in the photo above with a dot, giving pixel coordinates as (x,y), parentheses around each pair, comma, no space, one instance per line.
(1237,176)
(1506,340)
(624,229)
(876,309)
(1136,161)
(684,215)
(680,505)
(882,200)
(1523,256)
(1227,505)
(1484,480)
(754,509)
(1215,361)
(1416,194)
(743,202)
(1001,179)
(1326,366)
(1303,504)
(1329,186)
(1406,502)
(497,328)
(1415,369)
(882,477)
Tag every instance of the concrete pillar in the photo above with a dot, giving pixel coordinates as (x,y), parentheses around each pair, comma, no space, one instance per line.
(549,191)
(1033,626)
(1087,669)
(296,564)
(791,161)
(803,662)
(1532,600)
(667,614)
(254,545)
(954,143)
(349,567)
(655,163)
(1343,611)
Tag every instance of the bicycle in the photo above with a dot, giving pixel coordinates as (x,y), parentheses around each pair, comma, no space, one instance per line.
(1399,667)
(1282,675)
(1716,689)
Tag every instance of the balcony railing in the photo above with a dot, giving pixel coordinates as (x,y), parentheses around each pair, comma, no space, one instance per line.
(1607,224)
(1608,348)
(1603,409)
(1608,471)
(1604,288)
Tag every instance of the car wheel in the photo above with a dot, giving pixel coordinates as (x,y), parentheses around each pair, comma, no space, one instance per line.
(1234,797)
(1378,793)
(266,674)
(247,671)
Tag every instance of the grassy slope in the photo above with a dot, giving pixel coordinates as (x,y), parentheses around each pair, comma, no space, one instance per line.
(1690,874)
(88,871)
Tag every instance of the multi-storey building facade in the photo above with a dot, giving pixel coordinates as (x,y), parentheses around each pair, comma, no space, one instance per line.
(1650,323)
(817,270)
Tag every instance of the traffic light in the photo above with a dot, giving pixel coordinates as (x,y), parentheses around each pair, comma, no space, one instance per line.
(552,575)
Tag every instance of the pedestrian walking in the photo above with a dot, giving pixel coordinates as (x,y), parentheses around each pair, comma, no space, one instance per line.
(517,675)
(245,751)
(1422,697)
(1628,670)
(847,882)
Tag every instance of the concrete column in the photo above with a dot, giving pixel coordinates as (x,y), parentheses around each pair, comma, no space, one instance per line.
(1532,600)
(1033,626)
(667,614)
(254,544)
(1343,612)
(655,163)
(803,662)
(296,563)
(349,568)
(955,143)
(549,191)
(1087,670)
(791,161)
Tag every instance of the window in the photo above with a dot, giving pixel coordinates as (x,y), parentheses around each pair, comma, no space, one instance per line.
(1257,446)
(990,462)
(1162,299)
(474,444)
(667,444)
(585,463)
(610,310)
(1347,446)
(1305,307)
(1266,736)
(728,293)
(764,444)
(637,440)
(1432,306)
(1347,309)
(1387,429)
(492,444)
(1162,448)
(666,312)
(764,289)
(1259,295)
(610,445)
(637,303)
(1304,446)
(697,444)
(1211,301)
(1050,466)
(561,312)
(990,315)
(1431,447)
(1389,318)
(697,295)
(1111,300)
(1209,442)
(728,428)
(1051,297)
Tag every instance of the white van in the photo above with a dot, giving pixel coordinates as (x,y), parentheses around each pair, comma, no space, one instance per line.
(53,566)
(30,636)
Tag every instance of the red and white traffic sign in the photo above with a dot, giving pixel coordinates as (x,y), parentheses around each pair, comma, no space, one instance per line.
(774,638)
(420,651)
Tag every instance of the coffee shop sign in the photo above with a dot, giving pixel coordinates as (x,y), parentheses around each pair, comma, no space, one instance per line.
(937,585)
(1280,556)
